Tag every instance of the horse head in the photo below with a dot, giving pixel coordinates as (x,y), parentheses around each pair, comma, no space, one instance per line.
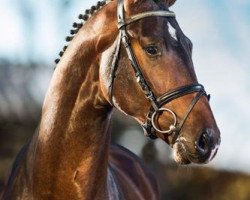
(148,74)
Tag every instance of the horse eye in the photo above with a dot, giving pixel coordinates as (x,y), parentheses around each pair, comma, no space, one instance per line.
(151,50)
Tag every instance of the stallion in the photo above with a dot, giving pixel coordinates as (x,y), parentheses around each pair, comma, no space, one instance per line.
(123,56)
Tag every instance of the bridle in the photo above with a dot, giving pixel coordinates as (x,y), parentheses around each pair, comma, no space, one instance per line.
(157,104)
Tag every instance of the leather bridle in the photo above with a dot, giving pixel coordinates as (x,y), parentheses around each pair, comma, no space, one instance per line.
(157,104)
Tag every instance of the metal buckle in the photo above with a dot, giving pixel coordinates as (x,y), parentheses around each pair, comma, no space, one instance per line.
(125,40)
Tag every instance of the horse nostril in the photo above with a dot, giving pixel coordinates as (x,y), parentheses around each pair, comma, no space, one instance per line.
(203,142)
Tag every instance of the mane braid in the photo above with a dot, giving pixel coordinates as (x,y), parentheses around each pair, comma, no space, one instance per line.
(77,26)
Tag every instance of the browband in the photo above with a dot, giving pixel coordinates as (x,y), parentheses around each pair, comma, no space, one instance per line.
(160,13)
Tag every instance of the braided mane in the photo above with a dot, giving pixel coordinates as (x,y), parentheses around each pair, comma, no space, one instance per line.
(84,18)
(77,26)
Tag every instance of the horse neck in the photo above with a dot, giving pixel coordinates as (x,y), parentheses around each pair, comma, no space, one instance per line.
(71,151)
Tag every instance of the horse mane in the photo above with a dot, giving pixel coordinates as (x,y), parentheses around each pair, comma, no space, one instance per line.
(77,26)
(84,18)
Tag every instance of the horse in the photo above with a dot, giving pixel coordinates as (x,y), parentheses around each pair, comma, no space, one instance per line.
(121,55)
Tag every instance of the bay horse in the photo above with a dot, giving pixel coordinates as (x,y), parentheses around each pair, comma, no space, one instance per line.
(131,62)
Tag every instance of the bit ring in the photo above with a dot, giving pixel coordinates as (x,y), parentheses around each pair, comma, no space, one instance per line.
(172,127)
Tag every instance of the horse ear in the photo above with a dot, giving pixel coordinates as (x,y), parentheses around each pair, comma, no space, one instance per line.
(129,3)
(170,2)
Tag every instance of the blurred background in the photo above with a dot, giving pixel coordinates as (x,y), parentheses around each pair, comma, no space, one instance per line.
(32,34)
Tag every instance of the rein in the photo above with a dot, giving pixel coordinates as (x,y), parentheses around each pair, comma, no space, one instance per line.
(150,127)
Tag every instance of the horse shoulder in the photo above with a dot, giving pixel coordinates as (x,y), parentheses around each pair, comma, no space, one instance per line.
(133,178)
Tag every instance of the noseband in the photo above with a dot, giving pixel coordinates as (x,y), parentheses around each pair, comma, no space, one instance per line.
(157,104)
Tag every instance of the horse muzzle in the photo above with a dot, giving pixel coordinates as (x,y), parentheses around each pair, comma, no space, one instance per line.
(201,151)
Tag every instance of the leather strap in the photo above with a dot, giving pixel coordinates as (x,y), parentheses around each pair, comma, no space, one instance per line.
(156,103)
(126,42)
(178,92)
(168,97)
(159,13)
